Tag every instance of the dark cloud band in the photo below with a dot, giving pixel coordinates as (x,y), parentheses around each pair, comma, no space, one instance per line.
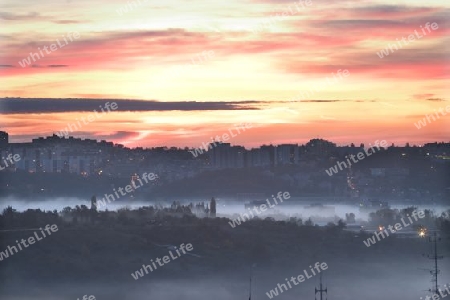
(43,105)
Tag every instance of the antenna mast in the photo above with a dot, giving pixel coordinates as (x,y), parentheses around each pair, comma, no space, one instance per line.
(320,290)
(250,293)
(435,271)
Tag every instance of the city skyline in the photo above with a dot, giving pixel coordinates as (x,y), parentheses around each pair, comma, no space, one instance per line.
(212,143)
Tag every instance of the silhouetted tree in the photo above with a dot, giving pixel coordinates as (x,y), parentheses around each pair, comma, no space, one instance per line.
(350,218)
(309,222)
(213,207)
(341,224)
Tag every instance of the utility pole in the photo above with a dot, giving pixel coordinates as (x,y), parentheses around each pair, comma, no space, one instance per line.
(434,239)
(320,290)
(250,287)
(250,295)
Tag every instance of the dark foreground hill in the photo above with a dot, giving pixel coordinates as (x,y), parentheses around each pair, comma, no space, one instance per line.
(98,258)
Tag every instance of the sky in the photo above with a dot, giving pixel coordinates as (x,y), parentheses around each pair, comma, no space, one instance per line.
(295,70)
